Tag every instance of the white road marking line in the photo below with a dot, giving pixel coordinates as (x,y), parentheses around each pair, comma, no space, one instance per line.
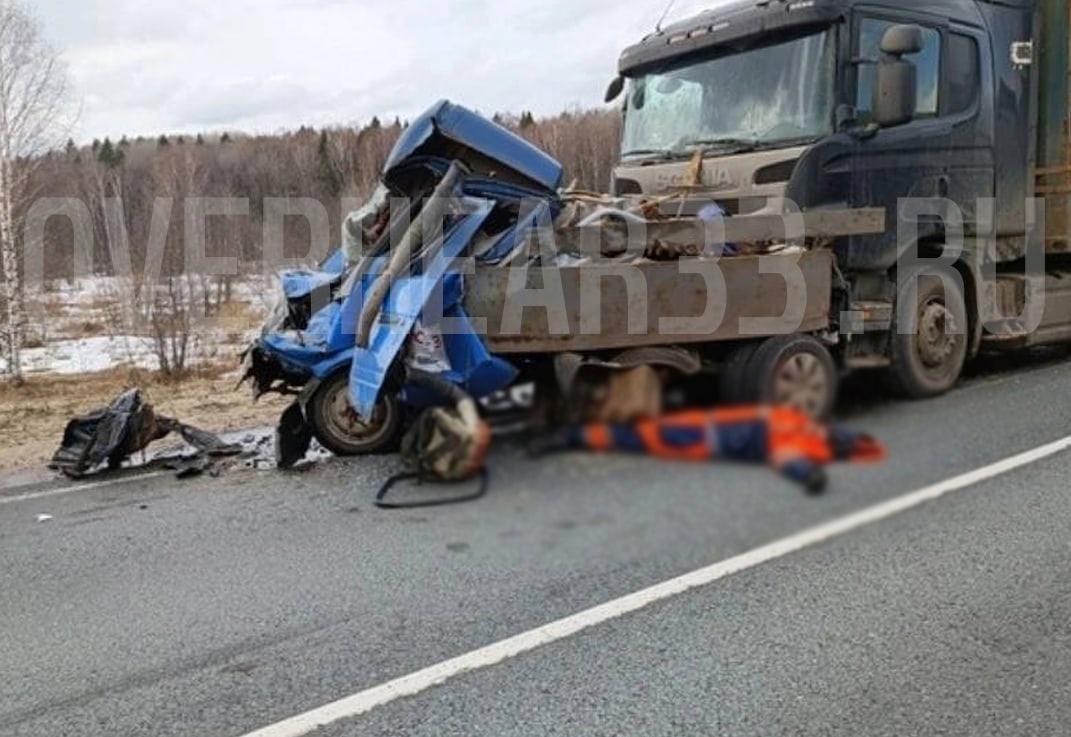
(81,487)
(414,683)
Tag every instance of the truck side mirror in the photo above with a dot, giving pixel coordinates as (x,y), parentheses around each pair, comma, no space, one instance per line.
(896,92)
(615,89)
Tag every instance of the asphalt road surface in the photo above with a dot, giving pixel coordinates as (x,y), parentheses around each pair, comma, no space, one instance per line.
(244,603)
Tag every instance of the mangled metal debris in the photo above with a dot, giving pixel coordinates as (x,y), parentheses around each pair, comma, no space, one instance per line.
(106,437)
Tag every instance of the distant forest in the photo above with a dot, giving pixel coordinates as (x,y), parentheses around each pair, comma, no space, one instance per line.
(333,165)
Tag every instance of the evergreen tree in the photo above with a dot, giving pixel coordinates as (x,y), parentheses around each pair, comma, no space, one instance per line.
(200,140)
(225,138)
(329,176)
(527,119)
(71,146)
(163,141)
(375,124)
(109,155)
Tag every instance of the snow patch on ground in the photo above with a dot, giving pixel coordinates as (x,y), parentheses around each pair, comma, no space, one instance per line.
(87,355)
(70,328)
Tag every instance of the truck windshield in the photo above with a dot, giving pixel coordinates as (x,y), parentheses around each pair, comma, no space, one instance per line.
(764,97)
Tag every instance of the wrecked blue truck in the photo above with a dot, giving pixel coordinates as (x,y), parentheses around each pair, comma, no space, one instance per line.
(347,334)
(321,345)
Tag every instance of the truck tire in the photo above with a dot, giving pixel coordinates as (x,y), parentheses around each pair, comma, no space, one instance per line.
(795,371)
(734,385)
(930,361)
(336,426)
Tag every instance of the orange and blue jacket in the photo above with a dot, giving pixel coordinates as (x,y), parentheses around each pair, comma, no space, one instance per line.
(788,440)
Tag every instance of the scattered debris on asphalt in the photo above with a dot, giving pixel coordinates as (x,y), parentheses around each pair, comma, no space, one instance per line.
(106,437)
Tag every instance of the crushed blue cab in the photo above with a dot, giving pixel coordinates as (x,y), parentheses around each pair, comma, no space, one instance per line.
(408,301)
(505,174)
(462,128)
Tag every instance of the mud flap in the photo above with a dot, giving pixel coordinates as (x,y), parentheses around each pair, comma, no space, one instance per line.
(293,436)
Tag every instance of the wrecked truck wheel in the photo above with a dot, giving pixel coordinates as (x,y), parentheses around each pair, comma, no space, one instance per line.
(338,427)
(928,358)
(795,371)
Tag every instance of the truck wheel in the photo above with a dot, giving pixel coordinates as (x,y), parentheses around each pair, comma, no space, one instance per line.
(734,385)
(338,428)
(795,371)
(930,361)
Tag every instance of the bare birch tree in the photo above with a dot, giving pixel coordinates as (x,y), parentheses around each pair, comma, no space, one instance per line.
(33,95)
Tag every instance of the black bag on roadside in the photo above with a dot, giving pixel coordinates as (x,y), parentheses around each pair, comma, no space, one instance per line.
(116,432)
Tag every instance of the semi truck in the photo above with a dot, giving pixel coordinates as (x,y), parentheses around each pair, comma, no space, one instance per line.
(855,104)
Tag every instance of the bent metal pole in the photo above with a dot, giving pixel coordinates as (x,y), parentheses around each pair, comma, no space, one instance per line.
(430,218)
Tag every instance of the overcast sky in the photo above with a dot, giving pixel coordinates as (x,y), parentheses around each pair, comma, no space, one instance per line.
(145,67)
